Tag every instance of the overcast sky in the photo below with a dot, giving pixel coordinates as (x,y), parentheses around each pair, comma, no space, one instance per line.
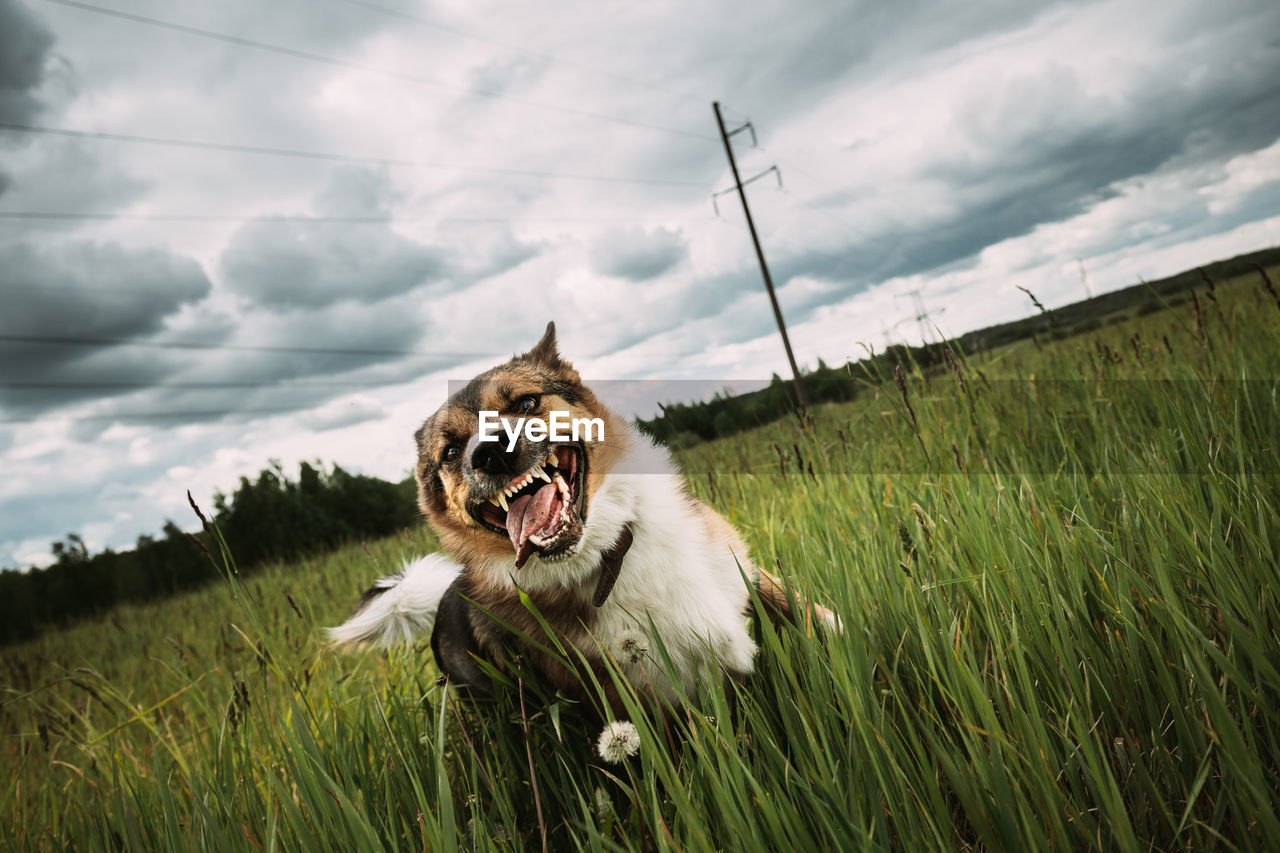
(239,231)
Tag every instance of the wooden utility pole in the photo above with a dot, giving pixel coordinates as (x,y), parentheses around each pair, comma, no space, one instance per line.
(755,239)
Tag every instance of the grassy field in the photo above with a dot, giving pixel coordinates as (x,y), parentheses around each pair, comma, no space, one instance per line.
(1057,568)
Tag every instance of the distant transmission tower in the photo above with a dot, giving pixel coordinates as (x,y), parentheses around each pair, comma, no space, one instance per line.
(921,315)
(1084,280)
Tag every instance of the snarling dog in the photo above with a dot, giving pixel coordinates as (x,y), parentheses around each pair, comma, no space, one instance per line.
(602,536)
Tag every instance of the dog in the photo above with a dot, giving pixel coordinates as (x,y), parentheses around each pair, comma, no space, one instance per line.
(601,537)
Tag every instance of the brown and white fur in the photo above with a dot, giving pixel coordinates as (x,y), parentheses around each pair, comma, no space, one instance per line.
(682,576)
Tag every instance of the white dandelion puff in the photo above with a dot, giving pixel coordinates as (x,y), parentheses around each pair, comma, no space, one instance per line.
(633,648)
(618,740)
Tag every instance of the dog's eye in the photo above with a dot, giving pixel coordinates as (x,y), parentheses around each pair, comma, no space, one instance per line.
(451,453)
(525,405)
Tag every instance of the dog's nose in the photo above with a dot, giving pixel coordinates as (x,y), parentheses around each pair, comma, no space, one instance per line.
(491,457)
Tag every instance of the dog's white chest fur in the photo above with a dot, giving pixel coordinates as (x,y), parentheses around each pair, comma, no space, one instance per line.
(681,579)
(680,582)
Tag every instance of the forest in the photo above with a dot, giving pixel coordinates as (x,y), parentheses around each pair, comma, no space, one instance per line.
(268,519)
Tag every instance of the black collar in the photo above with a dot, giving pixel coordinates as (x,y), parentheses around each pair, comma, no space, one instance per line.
(611,565)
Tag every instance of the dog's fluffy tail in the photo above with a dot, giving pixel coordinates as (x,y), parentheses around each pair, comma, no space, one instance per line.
(400,607)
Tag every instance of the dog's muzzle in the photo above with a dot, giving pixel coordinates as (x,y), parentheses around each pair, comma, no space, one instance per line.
(533,494)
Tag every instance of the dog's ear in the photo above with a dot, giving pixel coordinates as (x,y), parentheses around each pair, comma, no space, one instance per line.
(420,435)
(545,352)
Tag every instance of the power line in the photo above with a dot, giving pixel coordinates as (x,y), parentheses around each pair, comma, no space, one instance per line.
(294,53)
(435,25)
(194,345)
(194,217)
(282,384)
(80,292)
(140,416)
(299,219)
(321,155)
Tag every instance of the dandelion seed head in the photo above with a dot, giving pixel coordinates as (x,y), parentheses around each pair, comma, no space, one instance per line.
(633,648)
(618,740)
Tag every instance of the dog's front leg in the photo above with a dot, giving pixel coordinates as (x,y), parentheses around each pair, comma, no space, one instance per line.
(783,606)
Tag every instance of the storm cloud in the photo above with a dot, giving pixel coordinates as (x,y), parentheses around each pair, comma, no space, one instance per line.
(313,262)
(636,254)
(73,310)
(25,43)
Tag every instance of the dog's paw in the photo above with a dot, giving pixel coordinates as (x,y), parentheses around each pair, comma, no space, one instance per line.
(826,620)
(737,653)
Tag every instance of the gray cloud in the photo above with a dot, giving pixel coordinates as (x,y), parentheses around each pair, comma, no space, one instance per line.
(56,174)
(358,191)
(838,45)
(1029,151)
(69,175)
(334,339)
(81,294)
(291,264)
(480,250)
(315,263)
(636,254)
(105,50)
(337,417)
(25,43)
(285,361)
(86,289)
(507,74)
(1038,149)
(58,501)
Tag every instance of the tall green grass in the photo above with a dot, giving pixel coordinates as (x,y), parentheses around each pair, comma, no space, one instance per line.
(1057,570)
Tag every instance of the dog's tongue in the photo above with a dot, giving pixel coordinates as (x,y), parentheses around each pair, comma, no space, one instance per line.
(528,514)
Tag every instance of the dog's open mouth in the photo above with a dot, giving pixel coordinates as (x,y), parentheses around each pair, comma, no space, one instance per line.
(542,509)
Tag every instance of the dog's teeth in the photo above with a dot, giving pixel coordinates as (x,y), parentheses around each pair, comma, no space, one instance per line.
(494,500)
(502,501)
(551,459)
(537,540)
(538,472)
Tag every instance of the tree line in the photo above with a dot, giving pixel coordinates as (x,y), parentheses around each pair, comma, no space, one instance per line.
(270,518)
